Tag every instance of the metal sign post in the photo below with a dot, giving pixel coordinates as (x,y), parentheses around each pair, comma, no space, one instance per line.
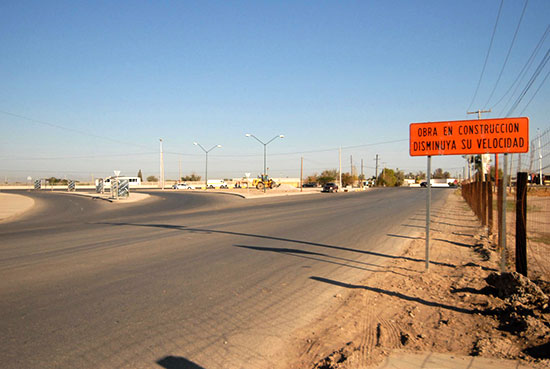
(469,137)
(428,210)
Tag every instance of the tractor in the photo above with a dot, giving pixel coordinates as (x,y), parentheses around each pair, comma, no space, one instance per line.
(264,181)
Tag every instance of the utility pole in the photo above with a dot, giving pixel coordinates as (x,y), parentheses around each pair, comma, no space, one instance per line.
(180,176)
(362,174)
(351,168)
(161,179)
(340,169)
(301,174)
(541,180)
(376,170)
(483,170)
(478,112)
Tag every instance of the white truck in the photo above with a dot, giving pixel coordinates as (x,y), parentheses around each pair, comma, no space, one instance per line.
(217,183)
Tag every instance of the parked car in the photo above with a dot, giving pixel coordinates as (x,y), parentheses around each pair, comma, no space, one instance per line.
(310,184)
(330,187)
(182,186)
(424,184)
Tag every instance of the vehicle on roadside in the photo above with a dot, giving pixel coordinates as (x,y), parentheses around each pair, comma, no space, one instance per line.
(133,182)
(263,181)
(310,184)
(182,186)
(424,184)
(330,187)
(216,183)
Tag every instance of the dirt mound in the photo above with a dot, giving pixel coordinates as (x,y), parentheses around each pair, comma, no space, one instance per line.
(286,187)
(524,311)
(517,290)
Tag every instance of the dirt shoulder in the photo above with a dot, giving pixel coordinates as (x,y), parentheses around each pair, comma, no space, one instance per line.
(12,205)
(449,309)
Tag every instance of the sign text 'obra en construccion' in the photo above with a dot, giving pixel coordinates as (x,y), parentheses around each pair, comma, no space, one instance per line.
(470,137)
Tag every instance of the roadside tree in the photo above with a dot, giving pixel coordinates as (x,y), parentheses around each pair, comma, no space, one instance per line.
(390,178)
(348,179)
(192,178)
(327,176)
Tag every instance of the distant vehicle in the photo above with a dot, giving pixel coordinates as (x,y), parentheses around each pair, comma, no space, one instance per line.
(369,183)
(264,181)
(216,183)
(182,186)
(330,187)
(310,184)
(440,183)
(132,181)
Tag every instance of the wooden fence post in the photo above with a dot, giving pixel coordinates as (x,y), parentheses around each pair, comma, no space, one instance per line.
(521,223)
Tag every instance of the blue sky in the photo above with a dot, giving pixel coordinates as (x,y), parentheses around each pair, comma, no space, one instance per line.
(89,87)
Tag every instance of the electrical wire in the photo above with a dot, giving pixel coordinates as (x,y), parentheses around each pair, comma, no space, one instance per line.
(508,54)
(536,92)
(486,56)
(530,82)
(71,129)
(526,67)
(80,157)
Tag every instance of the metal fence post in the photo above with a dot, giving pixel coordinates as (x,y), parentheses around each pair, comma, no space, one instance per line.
(490,206)
(483,201)
(521,223)
(502,230)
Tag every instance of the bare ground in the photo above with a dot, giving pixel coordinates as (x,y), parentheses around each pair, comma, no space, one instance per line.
(449,309)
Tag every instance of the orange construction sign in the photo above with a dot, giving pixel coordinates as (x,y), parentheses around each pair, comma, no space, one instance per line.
(470,137)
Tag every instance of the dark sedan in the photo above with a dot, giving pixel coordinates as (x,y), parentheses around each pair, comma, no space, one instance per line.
(330,187)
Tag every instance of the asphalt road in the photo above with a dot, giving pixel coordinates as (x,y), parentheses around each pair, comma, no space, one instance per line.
(186,280)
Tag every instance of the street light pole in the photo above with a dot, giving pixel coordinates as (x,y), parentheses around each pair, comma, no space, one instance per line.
(265,150)
(161,179)
(206,169)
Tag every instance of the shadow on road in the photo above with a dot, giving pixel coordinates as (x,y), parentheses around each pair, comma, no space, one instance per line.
(396,294)
(176,362)
(310,255)
(316,244)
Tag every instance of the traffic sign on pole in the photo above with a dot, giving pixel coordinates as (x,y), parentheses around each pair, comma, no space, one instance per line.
(466,137)
(470,137)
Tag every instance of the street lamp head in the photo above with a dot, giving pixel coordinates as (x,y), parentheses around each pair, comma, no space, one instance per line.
(282,136)
(248,135)
(194,143)
(218,145)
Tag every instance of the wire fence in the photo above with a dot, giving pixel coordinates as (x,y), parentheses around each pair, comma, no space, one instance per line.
(537,227)
(485,201)
(536,164)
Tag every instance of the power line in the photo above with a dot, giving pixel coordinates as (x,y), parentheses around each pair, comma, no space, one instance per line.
(536,92)
(487,56)
(70,129)
(530,82)
(301,152)
(79,157)
(508,54)
(526,66)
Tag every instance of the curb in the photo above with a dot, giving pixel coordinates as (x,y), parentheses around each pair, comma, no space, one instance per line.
(93,197)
